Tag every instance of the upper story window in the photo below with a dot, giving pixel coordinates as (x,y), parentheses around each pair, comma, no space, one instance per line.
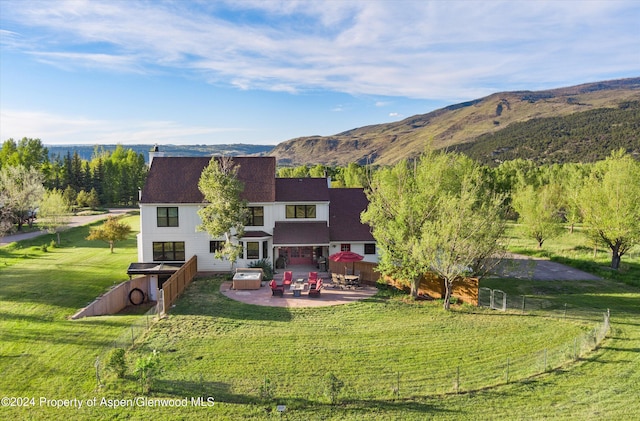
(256,216)
(301,211)
(167,217)
(345,247)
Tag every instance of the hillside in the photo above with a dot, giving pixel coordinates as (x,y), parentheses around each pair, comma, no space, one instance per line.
(459,126)
(86,151)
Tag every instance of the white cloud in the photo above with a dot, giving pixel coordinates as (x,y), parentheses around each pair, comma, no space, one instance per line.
(394,115)
(59,129)
(439,50)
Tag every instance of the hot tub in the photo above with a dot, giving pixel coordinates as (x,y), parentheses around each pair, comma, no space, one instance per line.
(247,278)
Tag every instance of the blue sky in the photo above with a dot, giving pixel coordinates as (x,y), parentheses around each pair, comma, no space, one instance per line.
(262,72)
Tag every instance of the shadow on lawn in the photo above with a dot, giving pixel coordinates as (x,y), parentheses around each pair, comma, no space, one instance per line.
(221,392)
(203,298)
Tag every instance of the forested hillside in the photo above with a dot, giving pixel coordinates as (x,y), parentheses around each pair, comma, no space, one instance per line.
(588,136)
(471,121)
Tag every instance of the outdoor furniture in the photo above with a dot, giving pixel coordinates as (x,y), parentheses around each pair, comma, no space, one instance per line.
(247,278)
(315,291)
(287,279)
(352,281)
(334,279)
(276,289)
(297,287)
(341,281)
(313,278)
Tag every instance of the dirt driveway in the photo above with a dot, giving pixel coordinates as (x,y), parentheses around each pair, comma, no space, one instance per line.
(538,269)
(75,221)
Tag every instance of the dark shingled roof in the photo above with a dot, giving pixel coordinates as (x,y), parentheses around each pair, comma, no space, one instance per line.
(301,233)
(344,215)
(175,179)
(302,190)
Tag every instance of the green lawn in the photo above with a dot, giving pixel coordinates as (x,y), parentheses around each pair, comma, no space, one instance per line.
(397,359)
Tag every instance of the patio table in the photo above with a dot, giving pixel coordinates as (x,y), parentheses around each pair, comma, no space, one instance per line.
(297,287)
(352,280)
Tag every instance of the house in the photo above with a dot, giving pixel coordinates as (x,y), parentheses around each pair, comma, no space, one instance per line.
(298,220)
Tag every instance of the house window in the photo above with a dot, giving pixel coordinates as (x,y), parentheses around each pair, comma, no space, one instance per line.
(253,250)
(215,246)
(170,251)
(370,248)
(256,216)
(167,217)
(345,247)
(301,211)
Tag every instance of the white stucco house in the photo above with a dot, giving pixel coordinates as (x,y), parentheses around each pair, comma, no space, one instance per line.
(300,219)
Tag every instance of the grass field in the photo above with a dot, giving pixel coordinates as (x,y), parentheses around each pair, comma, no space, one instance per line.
(397,359)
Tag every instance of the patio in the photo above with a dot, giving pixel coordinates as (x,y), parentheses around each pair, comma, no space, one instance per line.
(329,296)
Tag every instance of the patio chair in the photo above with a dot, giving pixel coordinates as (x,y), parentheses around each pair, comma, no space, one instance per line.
(313,278)
(276,289)
(314,291)
(341,281)
(287,279)
(334,279)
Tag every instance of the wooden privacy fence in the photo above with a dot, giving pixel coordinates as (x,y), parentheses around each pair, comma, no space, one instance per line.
(367,272)
(173,287)
(114,300)
(464,289)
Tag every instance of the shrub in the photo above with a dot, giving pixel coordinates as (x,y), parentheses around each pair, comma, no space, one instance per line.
(266,266)
(117,363)
(146,368)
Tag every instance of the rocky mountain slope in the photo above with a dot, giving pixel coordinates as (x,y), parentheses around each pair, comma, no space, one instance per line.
(459,126)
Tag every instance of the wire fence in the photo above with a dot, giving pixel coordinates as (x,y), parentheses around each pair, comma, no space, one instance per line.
(127,339)
(405,378)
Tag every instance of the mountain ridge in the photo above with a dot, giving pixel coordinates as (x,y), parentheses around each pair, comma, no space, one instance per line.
(454,125)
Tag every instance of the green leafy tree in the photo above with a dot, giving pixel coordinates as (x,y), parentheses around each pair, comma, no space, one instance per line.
(539,211)
(610,203)
(435,215)
(111,231)
(22,191)
(54,212)
(226,213)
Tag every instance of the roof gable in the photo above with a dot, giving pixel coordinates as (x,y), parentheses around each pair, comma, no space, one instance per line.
(344,215)
(175,179)
(302,190)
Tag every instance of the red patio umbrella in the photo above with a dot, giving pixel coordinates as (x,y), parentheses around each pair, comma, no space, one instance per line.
(346,256)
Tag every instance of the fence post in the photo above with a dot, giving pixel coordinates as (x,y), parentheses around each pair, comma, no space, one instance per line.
(507,370)
(523,303)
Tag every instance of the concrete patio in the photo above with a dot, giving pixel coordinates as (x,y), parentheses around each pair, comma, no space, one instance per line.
(329,296)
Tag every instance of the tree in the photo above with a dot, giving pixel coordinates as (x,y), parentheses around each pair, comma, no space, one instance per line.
(54,212)
(226,213)
(610,203)
(539,211)
(111,231)
(22,191)
(433,215)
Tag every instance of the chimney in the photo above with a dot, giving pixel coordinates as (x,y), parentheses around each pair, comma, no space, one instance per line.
(154,152)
